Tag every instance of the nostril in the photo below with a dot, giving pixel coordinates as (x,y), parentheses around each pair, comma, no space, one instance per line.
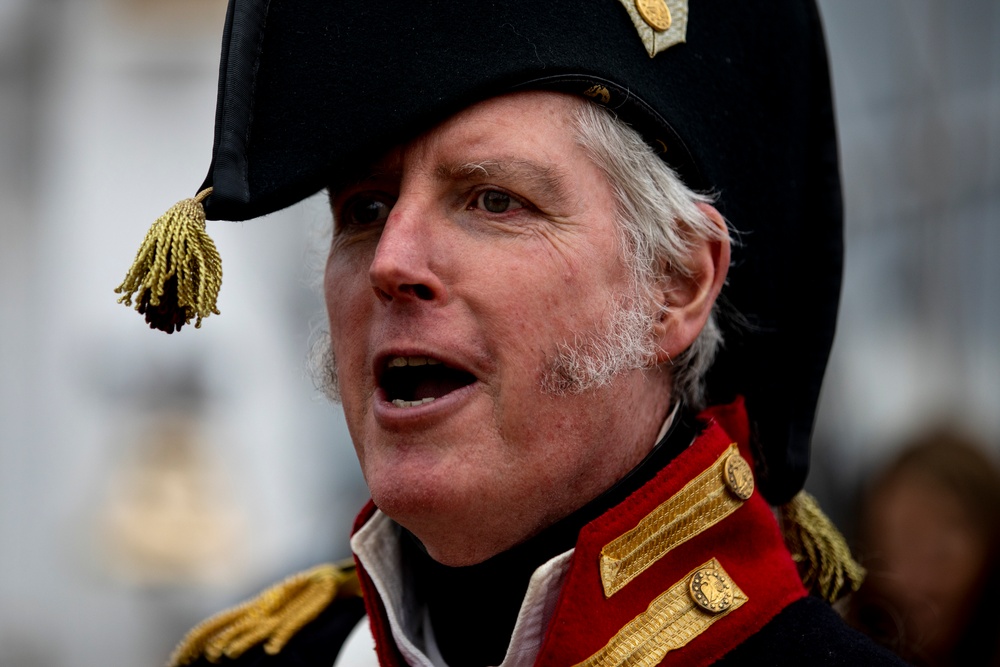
(423,292)
(419,291)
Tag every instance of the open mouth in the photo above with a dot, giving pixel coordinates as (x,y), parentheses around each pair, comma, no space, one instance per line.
(412,381)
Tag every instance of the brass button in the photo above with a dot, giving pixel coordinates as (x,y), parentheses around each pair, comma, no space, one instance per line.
(655,13)
(599,93)
(711,589)
(738,476)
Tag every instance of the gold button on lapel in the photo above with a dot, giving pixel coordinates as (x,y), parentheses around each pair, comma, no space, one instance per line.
(673,619)
(711,589)
(655,13)
(738,476)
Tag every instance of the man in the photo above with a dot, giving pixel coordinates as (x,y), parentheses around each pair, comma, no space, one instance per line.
(496,186)
(530,243)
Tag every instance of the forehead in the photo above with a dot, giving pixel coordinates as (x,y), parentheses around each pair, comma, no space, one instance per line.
(527,134)
(544,109)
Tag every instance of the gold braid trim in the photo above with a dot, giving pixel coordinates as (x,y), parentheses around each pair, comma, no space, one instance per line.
(824,559)
(272,617)
(177,272)
(670,622)
(703,502)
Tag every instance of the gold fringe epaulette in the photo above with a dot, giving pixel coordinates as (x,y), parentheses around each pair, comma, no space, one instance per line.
(177,272)
(273,617)
(825,562)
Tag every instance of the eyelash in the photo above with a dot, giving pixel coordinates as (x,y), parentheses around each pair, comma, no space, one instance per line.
(480,191)
(349,207)
(346,209)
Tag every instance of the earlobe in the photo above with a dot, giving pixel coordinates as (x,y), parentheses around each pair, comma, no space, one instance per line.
(687,301)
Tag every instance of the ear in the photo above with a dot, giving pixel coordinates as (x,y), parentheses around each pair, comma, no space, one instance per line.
(688,301)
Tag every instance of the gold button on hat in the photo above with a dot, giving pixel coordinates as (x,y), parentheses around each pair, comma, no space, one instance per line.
(655,13)
(711,589)
(599,93)
(738,476)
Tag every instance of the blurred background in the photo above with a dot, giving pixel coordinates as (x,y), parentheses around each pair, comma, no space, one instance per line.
(147,481)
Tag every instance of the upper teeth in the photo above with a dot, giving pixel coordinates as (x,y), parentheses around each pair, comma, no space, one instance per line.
(413,361)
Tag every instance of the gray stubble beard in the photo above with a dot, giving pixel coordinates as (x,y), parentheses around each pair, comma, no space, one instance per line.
(623,342)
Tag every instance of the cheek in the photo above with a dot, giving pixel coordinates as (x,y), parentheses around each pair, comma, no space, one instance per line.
(348,303)
(345,283)
(527,331)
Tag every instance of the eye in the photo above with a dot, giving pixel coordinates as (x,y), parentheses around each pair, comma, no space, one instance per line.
(365,209)
(495,201)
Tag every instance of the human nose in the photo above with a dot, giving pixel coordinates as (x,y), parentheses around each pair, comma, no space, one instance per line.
(403,267)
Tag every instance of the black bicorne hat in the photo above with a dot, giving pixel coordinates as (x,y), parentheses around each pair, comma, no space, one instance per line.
(734,94)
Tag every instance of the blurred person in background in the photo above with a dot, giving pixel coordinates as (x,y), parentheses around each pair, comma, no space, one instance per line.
(930,538)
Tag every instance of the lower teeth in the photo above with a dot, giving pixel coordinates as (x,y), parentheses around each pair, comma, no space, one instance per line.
(400,403)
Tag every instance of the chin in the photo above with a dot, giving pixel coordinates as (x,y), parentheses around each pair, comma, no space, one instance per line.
(417,488)
(454,524)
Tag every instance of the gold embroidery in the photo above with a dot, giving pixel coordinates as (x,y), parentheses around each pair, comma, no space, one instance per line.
(702,503)
(671,621)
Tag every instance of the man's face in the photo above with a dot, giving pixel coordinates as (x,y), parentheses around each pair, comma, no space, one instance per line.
(460,263)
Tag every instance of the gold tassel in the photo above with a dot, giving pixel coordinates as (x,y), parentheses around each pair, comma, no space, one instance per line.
(824,559)
(177,271)
(272,617)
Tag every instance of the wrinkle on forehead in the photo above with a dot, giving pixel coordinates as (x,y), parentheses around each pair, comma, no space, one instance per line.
(552,106)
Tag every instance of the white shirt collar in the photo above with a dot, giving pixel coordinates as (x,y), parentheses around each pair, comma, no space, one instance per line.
(377,547)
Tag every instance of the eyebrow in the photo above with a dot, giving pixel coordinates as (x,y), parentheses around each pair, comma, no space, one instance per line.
(546,179)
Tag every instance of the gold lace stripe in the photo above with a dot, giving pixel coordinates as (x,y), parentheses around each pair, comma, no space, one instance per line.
(670,622)
(701,504)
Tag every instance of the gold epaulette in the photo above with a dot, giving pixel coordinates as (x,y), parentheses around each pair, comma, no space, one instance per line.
(821,552)
(273,617)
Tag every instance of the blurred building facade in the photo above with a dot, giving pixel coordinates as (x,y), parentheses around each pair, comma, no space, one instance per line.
(147,480)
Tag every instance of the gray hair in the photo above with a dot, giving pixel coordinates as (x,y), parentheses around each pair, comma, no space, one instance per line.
(660,224)
(321,365)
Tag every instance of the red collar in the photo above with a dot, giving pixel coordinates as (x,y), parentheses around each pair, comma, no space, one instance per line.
(629,592)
